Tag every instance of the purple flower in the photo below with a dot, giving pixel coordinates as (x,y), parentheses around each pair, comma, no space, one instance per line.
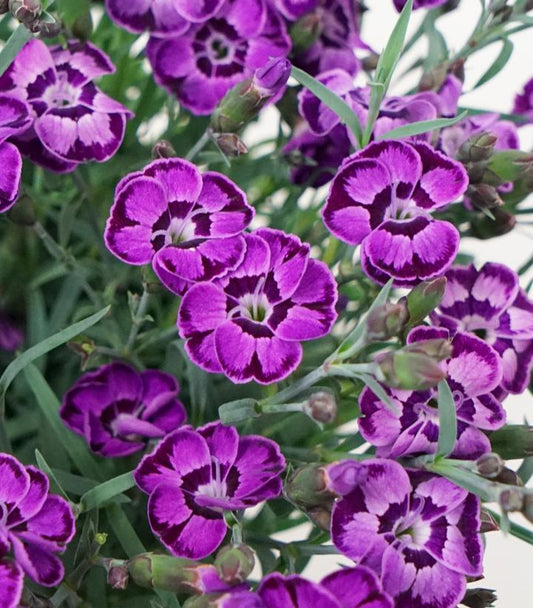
(490,303)
(249,324)
(117,409)
(399,4)
(185,223)
(34,526)
(473,370)
(201,65)
(523,102)
(419,532)
(193,476)
(382,198)
(73,121)
(161,17)
(14,118)
(11,336)
(294,9)
(314,159)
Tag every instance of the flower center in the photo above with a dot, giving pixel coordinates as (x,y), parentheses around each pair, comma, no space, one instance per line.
(219,48)
(254,306)
(412,529)
(216,488)
(62,94)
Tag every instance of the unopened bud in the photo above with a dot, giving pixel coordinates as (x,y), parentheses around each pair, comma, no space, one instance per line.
(305,31)
(479,598)
(230,143)
(416,366)
(163,149)
(307,487)
(511,500)
(320,516)
(433,80)
(483,196)
(234,564)
(484,227)
(424,298)
(509,477)
(25,11)
(50,29)
(513,441)
(117,573)
(4,6)
(488,523)
(527,508)
(245,99)
(511,165)
(386,321)
(322,407)
(477,148)
(489,465)
(370,62)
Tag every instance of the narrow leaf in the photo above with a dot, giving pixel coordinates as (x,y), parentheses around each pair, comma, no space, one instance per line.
(333,101)
(498,64)
(447,420)
(378,390)
(49,406)
(16,41)
(423,126)
(43,347)
(107,490)
(45,467)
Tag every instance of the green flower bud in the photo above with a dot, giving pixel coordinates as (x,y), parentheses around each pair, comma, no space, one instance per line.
(479,598)
(513,441)
(320,516)
(488,523)
(165,572)
(25,11)
(234,564)
(511,165)
(117,573)
(4,6)
(489,465)
(163,149)
(230,143)
(386,321)
(483,227)
(424,298)
(511,500)
(307,487)
(322,407)
(483,196)
(50,29)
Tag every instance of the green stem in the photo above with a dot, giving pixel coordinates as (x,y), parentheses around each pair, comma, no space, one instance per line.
(298,387)
(516,530)
(137,320)
(199,145)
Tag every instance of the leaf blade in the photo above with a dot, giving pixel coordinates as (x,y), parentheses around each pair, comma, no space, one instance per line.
(447,420)
(422,126)
(107,490)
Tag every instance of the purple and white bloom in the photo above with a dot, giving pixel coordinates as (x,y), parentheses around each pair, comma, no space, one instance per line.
(399,4)
(473,371)
(314,159)
(34,526)
(523,102)
(185,223)
(382,199)
(490,303)
(294,9)
(73,121)
(201,65)
(193,476)
(14,118)
(117,409)
(162,18)
(416,530)
(249,323)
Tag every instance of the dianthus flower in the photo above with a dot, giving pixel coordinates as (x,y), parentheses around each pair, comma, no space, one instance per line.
(193,476)
(249,323)
(14,119)
(416,530)
(382,198)
(73,121)
(473,371)
(523,102)
(202,64)
(161,17)
(117,409)
(490,303)
(179,220)
(394,111)
(34,525)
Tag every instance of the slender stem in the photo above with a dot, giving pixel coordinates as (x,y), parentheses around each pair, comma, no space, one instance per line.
(137,320)
(298,387)
(199,145)
(516,530)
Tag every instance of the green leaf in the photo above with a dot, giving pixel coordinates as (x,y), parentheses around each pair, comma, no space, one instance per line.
(514,529)
(44,347)
(236,412)
(333,101)
(55,485)
(385,68)
(49,406)
(447,420)
(498,64)
(423,126)
(378,390)
(16,41)
(107,490)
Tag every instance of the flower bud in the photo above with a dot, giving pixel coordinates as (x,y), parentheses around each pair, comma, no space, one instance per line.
(488,523)
(307,487)
(433,80)
(414,367)
(482,196)
(484,227)
(370,62)
(479,598)
(477,148)
(320,516)
(386,321)
(305,31)
(163,149)
(511,165)
(489,465)
(509,477)
(50,29)
(4,6)
(117,573)
(424,298)
(25,11)
(511,500)
(513,441)
(234,564)
(527,508)
(174,574)
(245,99)
(322,407)
(230,143)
